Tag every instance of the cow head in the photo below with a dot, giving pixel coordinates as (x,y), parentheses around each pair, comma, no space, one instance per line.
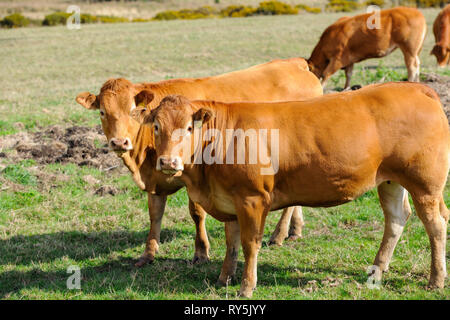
(173,123)
(442,53)
(317,66)
(117,98)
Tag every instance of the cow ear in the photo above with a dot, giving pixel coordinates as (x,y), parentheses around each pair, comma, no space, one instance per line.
(88,100)
(139,114)
(203,115)
(143,98)
(149,118)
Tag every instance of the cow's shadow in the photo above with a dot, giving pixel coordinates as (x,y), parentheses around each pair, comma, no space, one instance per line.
(118,275)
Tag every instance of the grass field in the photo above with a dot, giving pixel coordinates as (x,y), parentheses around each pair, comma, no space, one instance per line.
(45,227)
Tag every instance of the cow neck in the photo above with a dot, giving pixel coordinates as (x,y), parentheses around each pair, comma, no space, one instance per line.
(218,122)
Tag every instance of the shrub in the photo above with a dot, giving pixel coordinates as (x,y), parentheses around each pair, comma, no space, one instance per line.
(379,3)
(56,18)
(15,20)
(237,11)
(140,20)
(111,19)
(88,18)
(308,8)
(341,6)
(423,3)
(190,14)
(275,8)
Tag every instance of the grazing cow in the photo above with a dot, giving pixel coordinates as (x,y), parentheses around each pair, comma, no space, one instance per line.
(441,30)
(329,151)
(272,81)
(353,39)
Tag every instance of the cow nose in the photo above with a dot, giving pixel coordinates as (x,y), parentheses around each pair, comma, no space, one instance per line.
(119,144)
(169,163)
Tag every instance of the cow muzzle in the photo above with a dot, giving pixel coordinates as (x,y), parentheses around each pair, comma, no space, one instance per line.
(169,165)
(120,146)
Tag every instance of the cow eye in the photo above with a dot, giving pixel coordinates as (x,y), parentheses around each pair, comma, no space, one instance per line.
(155,128)
(102,113)
(189,129)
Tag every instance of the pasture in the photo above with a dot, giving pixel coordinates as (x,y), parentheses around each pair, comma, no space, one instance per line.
(52,217)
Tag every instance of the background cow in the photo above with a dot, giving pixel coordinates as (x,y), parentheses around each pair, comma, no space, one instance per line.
(350,40)
(272,81)
(441,30)
(398,140)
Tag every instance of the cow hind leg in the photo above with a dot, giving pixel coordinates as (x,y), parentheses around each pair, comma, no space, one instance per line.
(433,213)
(281,231)
(396,209)
(297,223)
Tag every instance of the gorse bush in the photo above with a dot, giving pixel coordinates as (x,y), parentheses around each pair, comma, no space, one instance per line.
(56,18)
(341,6)
(275,8)
(424,3)
(186,14)
(15,20)
(379,3)
(237,11)
(308,8)
(60,18)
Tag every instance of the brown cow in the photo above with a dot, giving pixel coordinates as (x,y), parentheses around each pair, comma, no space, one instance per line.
(271,81)
(329,151)
(441,30)
(350,40)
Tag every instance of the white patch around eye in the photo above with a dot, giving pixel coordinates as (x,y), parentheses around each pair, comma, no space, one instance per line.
(133,106)
(188,133)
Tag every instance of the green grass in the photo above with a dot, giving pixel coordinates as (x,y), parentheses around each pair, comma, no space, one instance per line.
(47,227)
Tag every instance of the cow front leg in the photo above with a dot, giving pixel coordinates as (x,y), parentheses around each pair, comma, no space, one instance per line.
(333,66)
(156,206)
(348,75)
(252,212)
(201,237)
(233,242)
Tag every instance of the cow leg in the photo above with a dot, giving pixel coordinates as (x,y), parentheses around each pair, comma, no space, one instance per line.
(252,212)
(297,223)
(348,75)
(333,66)
(156,205)
(233,241)
(201,238)
(396,209)
(434,215)
(281,231)
(413,65)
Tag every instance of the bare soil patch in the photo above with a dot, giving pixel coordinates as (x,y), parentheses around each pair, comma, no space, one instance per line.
(56,144)
(441,84)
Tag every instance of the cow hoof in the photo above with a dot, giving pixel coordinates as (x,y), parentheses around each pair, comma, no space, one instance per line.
(143,260)
(433,285)
(294,237)
(245,293)
(275,242)
(200,259)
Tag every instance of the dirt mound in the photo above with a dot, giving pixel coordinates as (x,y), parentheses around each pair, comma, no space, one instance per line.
(441,85)
(56,144)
